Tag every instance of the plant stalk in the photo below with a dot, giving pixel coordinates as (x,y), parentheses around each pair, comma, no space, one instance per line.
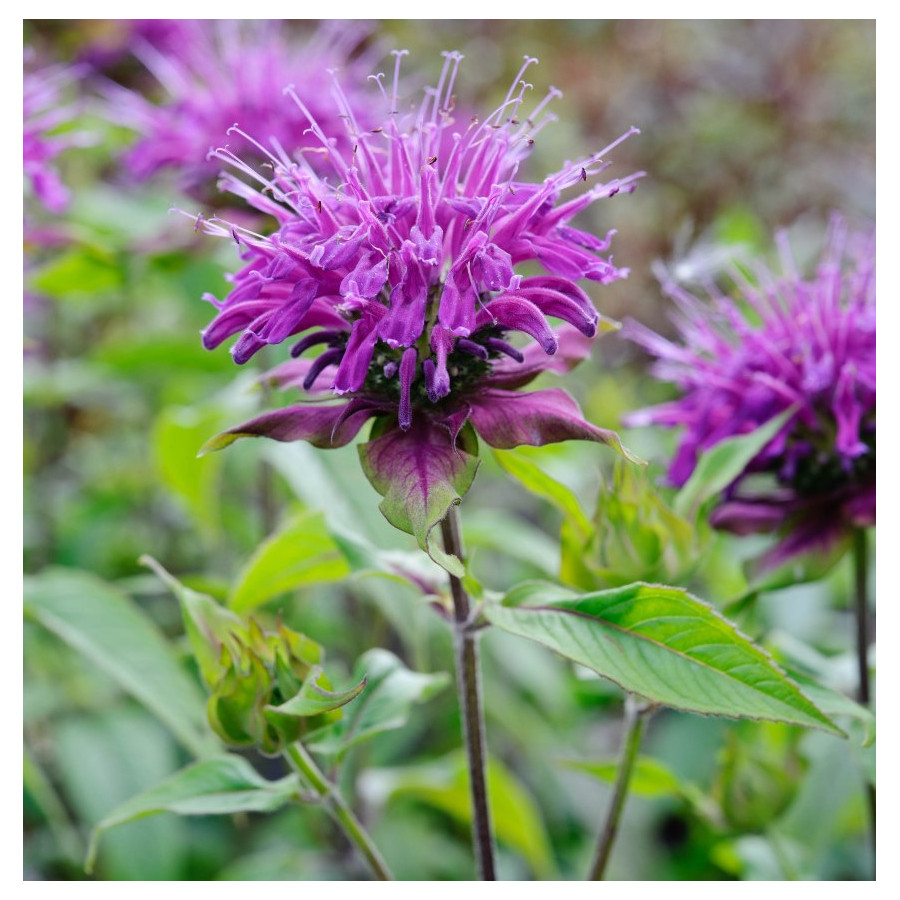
(635,718)
(863,640)
(863,637)
(469,688)
(339,809)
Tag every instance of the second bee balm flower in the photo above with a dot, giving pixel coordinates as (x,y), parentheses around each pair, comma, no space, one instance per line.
(400,264)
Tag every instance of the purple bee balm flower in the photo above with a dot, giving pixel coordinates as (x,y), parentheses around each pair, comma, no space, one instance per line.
(44,111)
(400,264)
(786,343)
(218,73)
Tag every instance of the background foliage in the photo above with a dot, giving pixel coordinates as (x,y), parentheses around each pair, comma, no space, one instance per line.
(746,126)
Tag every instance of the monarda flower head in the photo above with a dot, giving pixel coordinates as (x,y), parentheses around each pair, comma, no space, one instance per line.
(399,263)
(802,347)
(216,73)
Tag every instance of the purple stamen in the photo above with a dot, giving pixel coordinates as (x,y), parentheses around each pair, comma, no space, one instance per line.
(471,347)
(317,337)
(328,358)
(407,374)
(507,349)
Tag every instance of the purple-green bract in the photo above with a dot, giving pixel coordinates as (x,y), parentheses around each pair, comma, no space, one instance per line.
(784,342)
(399,260)
(218,73)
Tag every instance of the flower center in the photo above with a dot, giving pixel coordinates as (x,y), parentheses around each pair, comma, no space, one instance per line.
(820,471)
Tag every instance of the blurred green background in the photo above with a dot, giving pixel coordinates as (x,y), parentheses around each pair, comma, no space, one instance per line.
(746,127)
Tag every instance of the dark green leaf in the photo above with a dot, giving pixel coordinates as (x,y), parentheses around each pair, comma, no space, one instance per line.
(663,644)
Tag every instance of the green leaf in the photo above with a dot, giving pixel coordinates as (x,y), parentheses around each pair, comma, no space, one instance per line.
(721,464)
(812,565)
(833,703)
(219,786)
(387,703)
(738,225)
(176,436)
(108,628)
(100,760)
(814,672)
(206,622)
(103,759)
(539,483)
(421,476)
(444,785)
(511,536)
(638,537)
(649,777)
(313,699)
(79,272)
(301,552)
(38,786)
(663,644)
(400,566)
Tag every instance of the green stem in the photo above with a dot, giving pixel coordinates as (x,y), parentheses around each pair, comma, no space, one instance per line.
(337,806)
(635,719)
(863,640)
(469,688)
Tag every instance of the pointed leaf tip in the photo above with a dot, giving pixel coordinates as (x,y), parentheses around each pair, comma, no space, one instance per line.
(219,442)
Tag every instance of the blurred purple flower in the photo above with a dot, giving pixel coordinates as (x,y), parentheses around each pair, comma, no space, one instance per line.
(218,73)
(108,41)
(44,111)
(401,261)
(786,342)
